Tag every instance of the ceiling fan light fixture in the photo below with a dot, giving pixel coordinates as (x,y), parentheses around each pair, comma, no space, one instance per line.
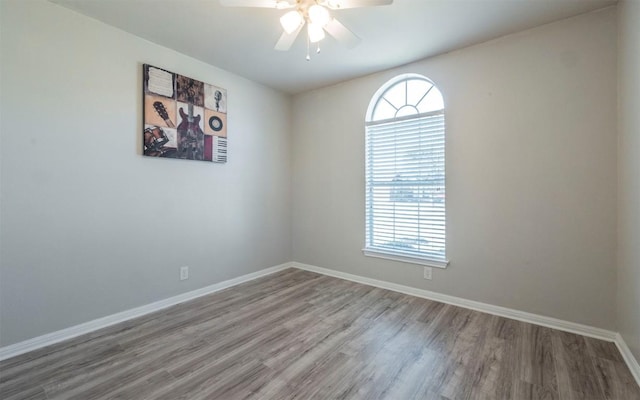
(316,33)
(319,15)
(334,4)
(282,4)
(291,21)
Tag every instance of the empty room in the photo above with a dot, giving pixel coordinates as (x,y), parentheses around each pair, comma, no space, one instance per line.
(320,199)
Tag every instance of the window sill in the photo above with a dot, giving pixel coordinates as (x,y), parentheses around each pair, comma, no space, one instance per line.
(405,258)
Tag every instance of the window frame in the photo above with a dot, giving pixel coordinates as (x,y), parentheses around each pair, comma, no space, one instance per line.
(395,254)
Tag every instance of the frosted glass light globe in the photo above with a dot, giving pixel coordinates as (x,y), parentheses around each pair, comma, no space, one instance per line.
(291,21)
(316,33)
(319,15)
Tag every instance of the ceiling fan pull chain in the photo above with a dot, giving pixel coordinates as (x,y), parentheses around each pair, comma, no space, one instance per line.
(308,45)
(318,49)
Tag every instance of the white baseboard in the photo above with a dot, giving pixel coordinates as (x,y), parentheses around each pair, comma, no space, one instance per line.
(535,319)
(87,327)
(531,318)
(631,361)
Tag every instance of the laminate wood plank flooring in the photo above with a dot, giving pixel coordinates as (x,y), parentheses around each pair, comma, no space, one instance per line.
(299,335)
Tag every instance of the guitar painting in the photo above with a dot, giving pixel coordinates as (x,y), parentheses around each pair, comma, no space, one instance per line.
(162,112)
(183,118)
(190,135)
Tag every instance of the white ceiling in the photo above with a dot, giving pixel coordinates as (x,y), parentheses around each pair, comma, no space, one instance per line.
(241,40)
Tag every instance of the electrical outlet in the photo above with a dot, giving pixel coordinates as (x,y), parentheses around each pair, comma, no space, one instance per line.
(427,272)
(184,273)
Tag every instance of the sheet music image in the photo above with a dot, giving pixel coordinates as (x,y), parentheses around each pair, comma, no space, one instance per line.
(159,81)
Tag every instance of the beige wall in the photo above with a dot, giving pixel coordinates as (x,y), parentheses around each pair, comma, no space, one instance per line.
(89,226)
(531,172)
(629,167)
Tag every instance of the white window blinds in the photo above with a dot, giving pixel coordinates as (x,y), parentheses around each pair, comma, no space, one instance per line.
(405,186)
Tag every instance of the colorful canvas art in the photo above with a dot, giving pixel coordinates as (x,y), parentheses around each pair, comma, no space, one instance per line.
(183,118)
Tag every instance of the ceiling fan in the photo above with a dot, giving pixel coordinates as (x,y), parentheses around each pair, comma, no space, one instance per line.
(315,14)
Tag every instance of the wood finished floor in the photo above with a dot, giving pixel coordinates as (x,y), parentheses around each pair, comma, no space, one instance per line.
(299,335)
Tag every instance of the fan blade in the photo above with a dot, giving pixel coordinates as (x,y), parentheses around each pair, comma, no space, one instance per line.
(286,40)
(341,33)
(256,3)
(342,4)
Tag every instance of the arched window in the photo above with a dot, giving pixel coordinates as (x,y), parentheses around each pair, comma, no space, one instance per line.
(405,172)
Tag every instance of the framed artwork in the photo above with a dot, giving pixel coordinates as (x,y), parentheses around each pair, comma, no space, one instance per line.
(183,117)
